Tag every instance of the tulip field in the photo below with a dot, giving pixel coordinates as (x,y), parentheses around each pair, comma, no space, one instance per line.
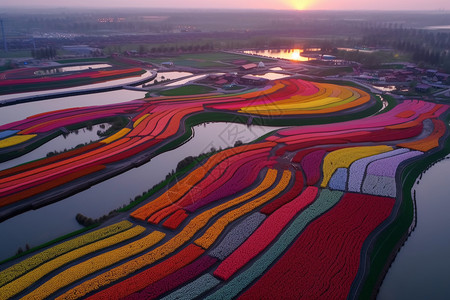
(300,213)
(20,85)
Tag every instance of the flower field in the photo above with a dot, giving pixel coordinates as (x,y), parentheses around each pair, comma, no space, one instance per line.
(298,213)
(65,80)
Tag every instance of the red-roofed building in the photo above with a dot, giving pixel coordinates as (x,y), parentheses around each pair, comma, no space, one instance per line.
(248,67)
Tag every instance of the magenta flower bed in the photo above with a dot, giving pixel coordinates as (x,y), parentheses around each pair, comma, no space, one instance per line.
(311,166)
(152,275)
(243,178)
(378,121)
(75,113)
(224,172)
(176,279)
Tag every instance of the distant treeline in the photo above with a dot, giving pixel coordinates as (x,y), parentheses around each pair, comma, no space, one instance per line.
(48,52)
(429,47)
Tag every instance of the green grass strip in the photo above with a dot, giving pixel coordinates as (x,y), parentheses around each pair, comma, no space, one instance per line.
(30,263)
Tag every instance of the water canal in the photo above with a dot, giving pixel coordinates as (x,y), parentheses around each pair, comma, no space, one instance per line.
(57,219)
(421,268)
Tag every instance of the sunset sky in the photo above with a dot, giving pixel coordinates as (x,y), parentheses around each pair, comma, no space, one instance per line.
(252,4)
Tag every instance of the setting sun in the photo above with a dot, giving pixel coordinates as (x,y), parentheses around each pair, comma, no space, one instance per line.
(299,4)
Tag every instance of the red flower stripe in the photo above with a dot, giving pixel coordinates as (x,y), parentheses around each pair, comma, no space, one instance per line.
(265,234)
(325,258)
(49,185)
(175,219)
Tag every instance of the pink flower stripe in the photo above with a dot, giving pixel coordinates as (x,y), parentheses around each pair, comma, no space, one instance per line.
(311,166)
(70,113)
(287,197)
(381,120)
(223,172)
(300,155)
(242,179)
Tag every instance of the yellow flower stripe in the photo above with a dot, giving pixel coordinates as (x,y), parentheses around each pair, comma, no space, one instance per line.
(170,246)
(24,266)
(339,102)
(14,140)
(343,158)
(140,120)
(213,232)
(34,275)
(94,264)
(330,97)
(116,136)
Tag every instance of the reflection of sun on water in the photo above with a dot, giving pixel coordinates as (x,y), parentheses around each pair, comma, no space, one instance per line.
(295,55)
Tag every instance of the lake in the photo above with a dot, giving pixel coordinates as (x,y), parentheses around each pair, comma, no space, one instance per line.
(290,54)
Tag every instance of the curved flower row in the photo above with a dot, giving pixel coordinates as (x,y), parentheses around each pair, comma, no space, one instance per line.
(94,264)
(152,122)
(55,251)
(164,250)
(221,165)
(34,275)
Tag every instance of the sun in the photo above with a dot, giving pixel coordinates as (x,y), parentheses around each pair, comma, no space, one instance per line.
(299,4)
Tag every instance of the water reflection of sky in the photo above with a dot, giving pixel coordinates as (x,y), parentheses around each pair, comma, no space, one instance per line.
(38,226)
(60,143)
(291,54)
(272,76)
(421,268)
(71,69)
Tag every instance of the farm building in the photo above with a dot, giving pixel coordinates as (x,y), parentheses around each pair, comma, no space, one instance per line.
(247,67)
